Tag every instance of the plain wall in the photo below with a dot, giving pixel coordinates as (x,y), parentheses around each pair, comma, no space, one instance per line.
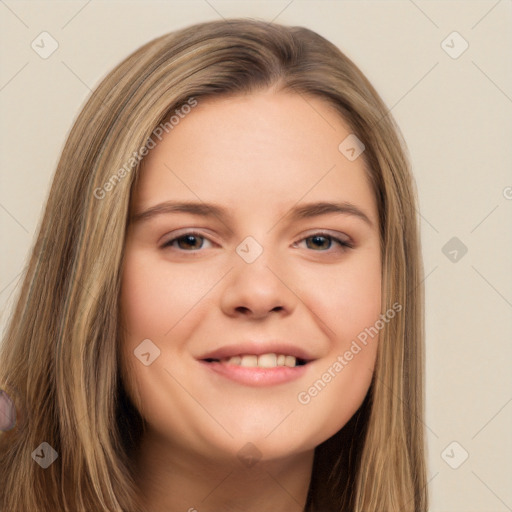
(455,115)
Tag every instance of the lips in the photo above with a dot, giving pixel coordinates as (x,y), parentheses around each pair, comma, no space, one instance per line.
(258,363)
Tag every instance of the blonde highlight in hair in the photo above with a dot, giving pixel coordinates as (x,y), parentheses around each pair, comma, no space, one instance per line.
(60,360)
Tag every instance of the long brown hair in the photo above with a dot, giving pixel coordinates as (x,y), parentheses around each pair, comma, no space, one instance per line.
(59,361)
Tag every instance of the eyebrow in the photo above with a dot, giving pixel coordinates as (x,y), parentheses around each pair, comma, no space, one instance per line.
(304,211)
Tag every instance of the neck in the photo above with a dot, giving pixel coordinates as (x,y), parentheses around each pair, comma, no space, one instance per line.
(173,481)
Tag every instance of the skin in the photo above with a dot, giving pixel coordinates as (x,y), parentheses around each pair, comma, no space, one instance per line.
(258,156)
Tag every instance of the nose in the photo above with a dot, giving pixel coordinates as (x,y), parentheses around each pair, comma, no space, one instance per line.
(254,290)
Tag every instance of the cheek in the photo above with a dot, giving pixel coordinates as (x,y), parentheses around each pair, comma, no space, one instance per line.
(349,305)
(347,299)
(149,309)
(160,306)
(359,305)
(153,300)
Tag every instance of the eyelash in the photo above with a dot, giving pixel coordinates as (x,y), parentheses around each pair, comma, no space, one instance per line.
(344,245)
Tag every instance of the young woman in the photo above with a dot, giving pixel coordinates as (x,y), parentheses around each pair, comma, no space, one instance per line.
(223,309)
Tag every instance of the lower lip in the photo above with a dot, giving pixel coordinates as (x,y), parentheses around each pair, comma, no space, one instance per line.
(255,376)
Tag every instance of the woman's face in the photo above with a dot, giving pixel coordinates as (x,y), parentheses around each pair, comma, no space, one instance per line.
(283,269)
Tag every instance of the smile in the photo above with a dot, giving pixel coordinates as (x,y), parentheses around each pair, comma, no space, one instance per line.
(262,361)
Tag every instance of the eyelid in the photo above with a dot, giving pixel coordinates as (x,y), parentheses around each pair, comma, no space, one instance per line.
(343,237)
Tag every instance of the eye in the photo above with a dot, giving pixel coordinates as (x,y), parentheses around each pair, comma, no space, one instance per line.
(322,242)
(189,242)
(192,241)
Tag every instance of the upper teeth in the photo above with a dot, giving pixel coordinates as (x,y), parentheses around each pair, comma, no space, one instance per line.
(263,361)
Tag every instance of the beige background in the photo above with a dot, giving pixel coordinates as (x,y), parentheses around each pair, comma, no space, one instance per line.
(456,115)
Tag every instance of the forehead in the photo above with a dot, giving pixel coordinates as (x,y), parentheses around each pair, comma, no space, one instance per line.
(255,152)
